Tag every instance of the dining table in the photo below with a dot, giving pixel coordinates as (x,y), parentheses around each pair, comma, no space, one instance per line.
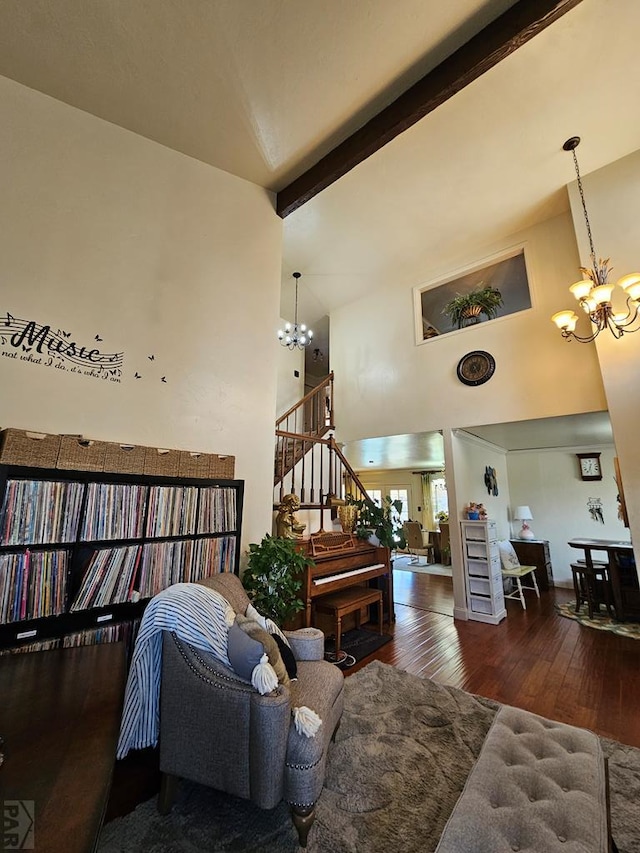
(618,558)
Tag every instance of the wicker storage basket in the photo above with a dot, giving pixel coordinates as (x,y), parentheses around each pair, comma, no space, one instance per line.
(161,463)
(222,467)
(195,464)
(37,449)
(81,454)
(124,458)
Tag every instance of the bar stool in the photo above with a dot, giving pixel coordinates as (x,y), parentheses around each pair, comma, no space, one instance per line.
(593,587)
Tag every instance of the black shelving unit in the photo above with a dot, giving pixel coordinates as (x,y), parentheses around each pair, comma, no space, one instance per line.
(44,628)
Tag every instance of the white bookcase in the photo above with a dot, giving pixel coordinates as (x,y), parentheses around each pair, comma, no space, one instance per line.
(483,573)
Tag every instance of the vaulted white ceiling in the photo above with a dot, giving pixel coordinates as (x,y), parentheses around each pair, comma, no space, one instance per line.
(264,88)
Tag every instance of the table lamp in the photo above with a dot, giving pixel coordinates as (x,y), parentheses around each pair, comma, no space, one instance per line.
(523,514)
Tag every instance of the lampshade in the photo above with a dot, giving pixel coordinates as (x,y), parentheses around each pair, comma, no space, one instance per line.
(522,513)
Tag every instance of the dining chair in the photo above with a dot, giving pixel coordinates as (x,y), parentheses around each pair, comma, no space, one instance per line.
(512,569)
(416,545)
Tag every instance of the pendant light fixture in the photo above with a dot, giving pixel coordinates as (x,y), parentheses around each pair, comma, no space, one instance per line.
(295,336)
(593,292)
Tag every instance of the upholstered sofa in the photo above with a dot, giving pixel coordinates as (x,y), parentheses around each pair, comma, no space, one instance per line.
(218,730)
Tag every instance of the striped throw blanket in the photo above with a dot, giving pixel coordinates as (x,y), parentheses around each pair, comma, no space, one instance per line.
(199,616)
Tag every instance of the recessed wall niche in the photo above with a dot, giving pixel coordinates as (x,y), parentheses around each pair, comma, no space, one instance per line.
(506,273)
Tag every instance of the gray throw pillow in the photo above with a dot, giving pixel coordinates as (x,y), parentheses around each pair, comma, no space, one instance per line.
(269,645)
(244,652)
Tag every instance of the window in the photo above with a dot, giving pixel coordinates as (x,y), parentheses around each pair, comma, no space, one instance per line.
(439,497)
(433,301)
(401,495)
(375,495)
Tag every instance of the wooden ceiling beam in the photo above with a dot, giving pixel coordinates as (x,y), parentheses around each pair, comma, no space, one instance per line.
(498,40)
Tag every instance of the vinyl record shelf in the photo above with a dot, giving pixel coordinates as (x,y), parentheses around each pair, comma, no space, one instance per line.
(84,551)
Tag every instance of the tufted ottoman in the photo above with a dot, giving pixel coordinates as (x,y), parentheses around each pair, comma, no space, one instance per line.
(537,786)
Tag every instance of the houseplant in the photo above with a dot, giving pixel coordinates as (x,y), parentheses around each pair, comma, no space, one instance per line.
(273,577)
(466,308)
(381,521)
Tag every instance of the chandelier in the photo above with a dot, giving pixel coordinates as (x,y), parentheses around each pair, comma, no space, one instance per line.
(295,336)
(593,291)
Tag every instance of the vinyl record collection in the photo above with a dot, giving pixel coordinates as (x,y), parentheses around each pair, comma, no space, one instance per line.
(113,511)
(109,578)
(33,584)
(68,546)
(217,510)
(39,511)
(172,510)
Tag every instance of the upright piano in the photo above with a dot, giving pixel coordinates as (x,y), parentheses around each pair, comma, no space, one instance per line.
(341,560)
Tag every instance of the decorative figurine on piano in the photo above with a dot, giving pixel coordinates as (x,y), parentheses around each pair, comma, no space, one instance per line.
(287,525)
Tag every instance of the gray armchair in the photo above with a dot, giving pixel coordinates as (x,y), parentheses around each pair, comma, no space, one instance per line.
(218,730)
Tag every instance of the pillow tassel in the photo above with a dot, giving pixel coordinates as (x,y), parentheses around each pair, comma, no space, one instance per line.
(263,677)
(306,721)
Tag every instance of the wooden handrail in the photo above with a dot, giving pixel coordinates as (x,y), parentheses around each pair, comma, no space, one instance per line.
(327,380)
(303,436)
(349,469)
(333,476)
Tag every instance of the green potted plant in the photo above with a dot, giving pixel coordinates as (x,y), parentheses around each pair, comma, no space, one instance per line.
(381,521)
(441,516)
(273,577)
(466,308)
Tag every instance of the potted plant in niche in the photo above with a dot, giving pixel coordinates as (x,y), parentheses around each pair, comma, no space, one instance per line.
(273,577)
(465,308)
(383,522)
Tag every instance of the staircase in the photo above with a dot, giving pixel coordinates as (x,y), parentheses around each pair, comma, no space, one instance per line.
(306,463)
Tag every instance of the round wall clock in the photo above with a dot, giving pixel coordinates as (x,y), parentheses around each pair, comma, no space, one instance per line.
(476,367)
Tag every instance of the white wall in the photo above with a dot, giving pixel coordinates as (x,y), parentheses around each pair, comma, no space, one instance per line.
(549,483)
(387,385)
(289,386)
(106,234)
(613,200)
(473,456)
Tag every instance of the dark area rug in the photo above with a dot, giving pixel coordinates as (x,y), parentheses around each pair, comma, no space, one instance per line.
(398,764)
(357,644)
(600,621)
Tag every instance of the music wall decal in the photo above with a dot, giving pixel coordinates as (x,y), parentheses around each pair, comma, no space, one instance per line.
(29,341)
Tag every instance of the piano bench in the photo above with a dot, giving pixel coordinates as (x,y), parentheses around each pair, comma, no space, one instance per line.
(351,600)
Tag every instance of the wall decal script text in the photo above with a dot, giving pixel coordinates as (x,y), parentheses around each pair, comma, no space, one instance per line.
(27,340)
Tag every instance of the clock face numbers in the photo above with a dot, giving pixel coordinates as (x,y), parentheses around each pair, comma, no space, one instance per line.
(590,466)
(477,367)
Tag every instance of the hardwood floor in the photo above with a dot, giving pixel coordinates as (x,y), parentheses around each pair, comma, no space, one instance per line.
(534,659)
